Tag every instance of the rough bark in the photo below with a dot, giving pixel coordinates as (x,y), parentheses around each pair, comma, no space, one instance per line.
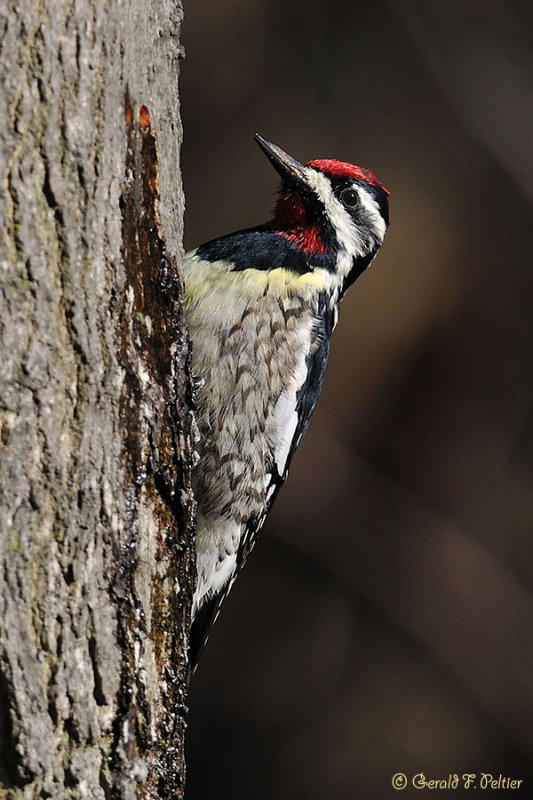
(96,510)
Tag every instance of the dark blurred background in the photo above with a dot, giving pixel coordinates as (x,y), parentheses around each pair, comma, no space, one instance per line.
(384,620)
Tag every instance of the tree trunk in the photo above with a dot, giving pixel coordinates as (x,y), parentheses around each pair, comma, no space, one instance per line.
(96,509)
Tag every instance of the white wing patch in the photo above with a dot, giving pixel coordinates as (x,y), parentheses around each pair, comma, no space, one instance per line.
(285,424)
(285,417)
(271,488)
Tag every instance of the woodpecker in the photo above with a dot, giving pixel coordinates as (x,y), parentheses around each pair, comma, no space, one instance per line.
(260,306)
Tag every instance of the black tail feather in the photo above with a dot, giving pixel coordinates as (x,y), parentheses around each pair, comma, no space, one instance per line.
(200,628)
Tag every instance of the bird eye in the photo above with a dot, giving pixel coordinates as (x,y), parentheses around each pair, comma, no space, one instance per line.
(350,198)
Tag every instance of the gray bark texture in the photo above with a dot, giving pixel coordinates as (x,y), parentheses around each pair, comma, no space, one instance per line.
(96,509)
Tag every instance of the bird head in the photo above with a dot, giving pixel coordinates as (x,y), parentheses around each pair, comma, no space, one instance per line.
(334,212)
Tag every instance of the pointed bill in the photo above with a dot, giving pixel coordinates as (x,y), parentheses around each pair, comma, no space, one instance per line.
(283,163)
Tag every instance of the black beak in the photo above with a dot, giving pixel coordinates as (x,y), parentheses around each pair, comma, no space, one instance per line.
(287,166)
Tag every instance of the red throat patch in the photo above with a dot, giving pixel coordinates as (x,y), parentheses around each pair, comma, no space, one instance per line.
(307,239)
(290,221)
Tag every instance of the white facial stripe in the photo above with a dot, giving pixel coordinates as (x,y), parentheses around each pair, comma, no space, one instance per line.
(348,236)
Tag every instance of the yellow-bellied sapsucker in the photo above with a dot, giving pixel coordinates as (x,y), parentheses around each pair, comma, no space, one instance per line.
(261,305)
